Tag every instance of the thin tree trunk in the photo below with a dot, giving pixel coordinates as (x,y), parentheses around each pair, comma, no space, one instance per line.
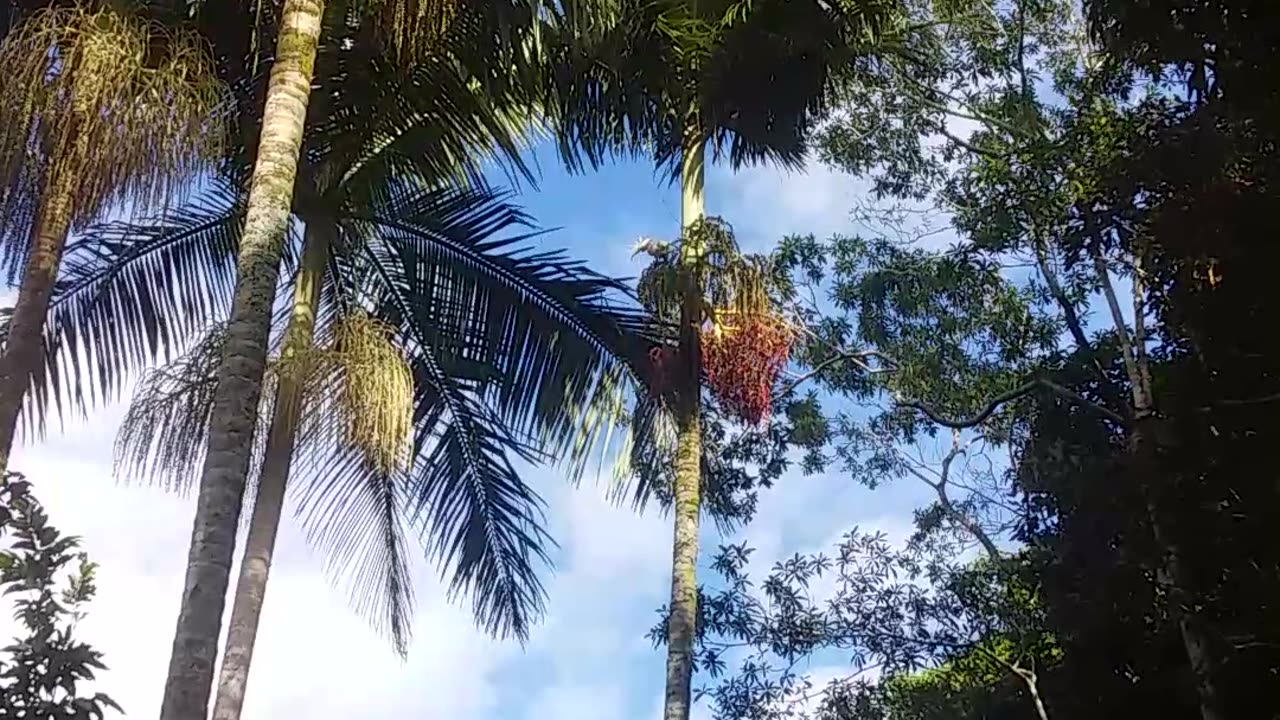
(235,406)
(681,627)
(23,347)
(1033,688)
(251,588)
(1145,441)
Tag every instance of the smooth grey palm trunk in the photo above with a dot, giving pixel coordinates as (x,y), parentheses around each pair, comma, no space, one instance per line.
(682,623)
(273,480)
(239,386)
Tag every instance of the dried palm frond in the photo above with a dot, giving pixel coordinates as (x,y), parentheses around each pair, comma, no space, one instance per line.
(119,108)
(375,404)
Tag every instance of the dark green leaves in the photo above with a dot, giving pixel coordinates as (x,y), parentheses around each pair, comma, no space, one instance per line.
(40,672)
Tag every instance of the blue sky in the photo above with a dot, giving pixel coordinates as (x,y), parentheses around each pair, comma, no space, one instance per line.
(589,659)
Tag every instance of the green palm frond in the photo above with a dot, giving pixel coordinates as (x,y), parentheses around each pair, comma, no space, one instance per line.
(354,515)
(552,333)
(481,522)
(756,74)
(501,339)
(132,293)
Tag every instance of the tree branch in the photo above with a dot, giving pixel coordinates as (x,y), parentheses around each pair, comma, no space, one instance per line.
(981,416)
(1141,400)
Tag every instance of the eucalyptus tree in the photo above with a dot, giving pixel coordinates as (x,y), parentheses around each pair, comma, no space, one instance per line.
(671,78)
(103,108)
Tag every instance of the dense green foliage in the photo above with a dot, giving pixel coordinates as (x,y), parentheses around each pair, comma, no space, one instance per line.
(1098,336)
(42,670)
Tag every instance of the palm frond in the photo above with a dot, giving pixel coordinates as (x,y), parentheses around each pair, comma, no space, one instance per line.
(554,337)
(481,522)
(132,293)
(162,438)
(627,82)
(354,514)
(505,343)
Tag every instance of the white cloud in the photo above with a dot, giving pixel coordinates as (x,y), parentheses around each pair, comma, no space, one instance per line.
(765,204)
(314,656)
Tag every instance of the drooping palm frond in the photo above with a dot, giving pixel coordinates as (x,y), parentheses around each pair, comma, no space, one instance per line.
(480,520)
(115,107)
(131,293)
(550,330)
(354,514)
(755,75)
(162,438)
(504,343)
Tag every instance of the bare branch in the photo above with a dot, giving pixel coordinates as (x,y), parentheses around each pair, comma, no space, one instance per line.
(986,412)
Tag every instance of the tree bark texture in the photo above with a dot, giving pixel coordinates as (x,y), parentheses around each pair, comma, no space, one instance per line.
(235,405)
(681,626)
(24,347)
(268,506)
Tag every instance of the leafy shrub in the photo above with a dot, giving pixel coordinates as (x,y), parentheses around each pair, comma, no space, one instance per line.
(40,673)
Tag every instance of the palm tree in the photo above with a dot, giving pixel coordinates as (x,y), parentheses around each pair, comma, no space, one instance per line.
(268,207)
(102,108)
(670,78)
(350,506)
(150,287)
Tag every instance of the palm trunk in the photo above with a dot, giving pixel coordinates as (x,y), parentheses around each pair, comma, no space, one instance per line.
(681,626)
(23,347)
(235,405)
(251,588)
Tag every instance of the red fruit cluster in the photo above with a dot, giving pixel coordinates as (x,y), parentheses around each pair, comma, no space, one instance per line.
(742,363)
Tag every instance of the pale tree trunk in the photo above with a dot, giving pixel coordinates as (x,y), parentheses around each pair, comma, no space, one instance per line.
(235,404)
(1145,442)
(255,566)
(24,346)
(681,626)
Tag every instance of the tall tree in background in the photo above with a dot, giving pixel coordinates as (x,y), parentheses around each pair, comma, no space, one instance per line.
(105,109)
(1130,430)
(672,78)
